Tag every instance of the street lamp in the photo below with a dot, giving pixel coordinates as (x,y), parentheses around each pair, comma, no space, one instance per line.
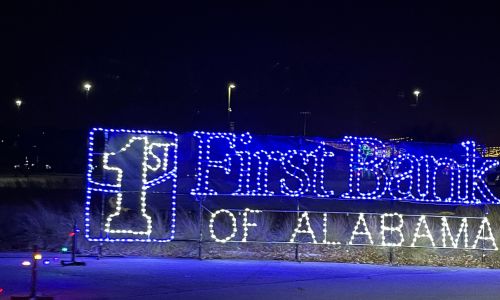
(416,93)
(229,110)
(18,103)
(86,87)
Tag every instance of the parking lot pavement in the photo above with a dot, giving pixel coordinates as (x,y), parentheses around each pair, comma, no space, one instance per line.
(169,278)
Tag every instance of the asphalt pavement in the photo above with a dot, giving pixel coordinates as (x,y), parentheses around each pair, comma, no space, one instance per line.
(170,278)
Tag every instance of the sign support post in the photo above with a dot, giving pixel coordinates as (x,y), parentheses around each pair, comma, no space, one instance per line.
(200,223)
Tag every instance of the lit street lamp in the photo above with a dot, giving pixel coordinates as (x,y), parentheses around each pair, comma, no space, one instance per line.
(416,93)
(229,110)
(87,86)
(18,103)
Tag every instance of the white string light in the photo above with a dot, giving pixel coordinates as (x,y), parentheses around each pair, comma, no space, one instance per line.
(119,196)
(147,154)
(301,173)
(295,182)
(325,231)
(233,224)
(366,232)
(423,189)
(295,172)
(244,176)
(264,159)
(481,234)
(467,181)
(318,181)
(391,229)
(402,176)
(446,232)
(453,167)
(206,161)
(303,217)
(427,234)
(357,165)
(245,222)
(145,184)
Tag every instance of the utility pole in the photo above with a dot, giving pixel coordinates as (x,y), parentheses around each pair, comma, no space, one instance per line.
(305,114)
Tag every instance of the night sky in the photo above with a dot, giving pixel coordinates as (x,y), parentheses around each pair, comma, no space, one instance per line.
(352,65)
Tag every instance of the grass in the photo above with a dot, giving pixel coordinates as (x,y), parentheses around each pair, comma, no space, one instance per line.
(48,226)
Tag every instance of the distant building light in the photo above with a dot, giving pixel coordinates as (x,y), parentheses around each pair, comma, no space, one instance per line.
(491,152)
(401,139)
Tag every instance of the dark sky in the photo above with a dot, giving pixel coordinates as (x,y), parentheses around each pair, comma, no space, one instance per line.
(166,66)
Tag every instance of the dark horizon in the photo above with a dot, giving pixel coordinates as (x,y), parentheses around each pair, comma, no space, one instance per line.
(167,67)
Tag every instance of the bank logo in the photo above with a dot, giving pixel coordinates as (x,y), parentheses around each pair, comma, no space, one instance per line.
(132,182)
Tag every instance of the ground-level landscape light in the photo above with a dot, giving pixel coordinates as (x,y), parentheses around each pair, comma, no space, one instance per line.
(26,263)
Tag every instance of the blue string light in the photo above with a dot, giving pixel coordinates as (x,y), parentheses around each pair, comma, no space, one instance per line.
(237,159)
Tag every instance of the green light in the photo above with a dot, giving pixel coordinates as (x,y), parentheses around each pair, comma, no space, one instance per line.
(64,249)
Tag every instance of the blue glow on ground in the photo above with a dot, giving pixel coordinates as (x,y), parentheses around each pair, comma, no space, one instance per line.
(149,278)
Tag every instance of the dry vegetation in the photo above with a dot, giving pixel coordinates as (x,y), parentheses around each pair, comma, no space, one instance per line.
(48,227)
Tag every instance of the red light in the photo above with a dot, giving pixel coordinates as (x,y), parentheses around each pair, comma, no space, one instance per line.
(71,234)
(1,290)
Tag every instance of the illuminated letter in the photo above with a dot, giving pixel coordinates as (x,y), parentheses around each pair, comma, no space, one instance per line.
(423,183)
(481,235)
(473,181)
(446,232)
(264,159)
(480,185)
(427,233)
(363,159)
(246,224)
(206,161)
(308,230)
(233,223)
(318,182)
(366,233)
(402,175)
(147,154)
(244,176)
(391,229)
(465,175)
(325,231)
(296,173)
(452,169)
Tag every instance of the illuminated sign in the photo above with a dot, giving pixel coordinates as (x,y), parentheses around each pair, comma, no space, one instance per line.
(129,170)
(403,177)
(394,229)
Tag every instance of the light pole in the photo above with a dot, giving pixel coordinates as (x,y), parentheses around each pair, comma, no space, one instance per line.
(87,86)
(229,110)
(88,117)
(416,92)
(18,102)
(306,115)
